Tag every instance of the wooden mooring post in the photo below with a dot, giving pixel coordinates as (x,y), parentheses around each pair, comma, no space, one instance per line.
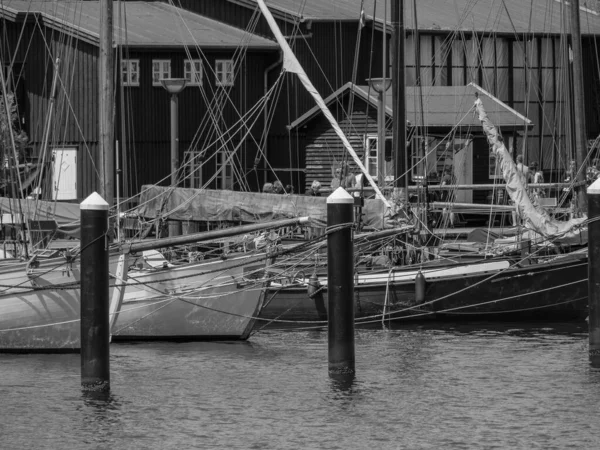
(594,272)
(340,284)
(95,328)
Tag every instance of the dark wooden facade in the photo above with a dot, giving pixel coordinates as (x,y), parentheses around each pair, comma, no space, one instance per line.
(34,50)
(528,71)
(146,114)
(326,52)
(142,113)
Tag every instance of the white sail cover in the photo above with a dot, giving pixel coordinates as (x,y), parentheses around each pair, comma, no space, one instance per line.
(536,219)
(291,64)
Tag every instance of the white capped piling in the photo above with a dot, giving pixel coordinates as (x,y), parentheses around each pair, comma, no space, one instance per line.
(593,194)
(340,282)
(95,328)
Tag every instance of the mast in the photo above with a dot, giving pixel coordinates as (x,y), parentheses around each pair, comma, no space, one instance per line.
(578,106)
(381,130)
(106,98)
(399,97)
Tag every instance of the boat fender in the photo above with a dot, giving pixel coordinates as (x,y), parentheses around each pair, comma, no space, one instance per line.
(420,288)
(313,285)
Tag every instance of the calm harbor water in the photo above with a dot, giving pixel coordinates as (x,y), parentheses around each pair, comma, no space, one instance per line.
(440,386)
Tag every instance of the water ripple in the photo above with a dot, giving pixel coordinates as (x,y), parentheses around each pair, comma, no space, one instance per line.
(451,386)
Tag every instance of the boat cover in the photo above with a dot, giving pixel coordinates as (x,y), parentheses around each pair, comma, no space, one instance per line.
(248,207)
(66,215)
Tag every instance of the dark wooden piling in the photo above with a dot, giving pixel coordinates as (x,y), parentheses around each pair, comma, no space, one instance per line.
(95,328)
(340,282)
(593,194)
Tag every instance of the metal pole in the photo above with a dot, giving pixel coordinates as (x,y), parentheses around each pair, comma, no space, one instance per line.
(340,285)
(95,328)
(578,104)
(381,107)
(136,247)
(593,193)
(381,139)
(174,225)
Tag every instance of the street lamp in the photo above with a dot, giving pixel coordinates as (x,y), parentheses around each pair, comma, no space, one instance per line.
(174,86)
(380,85)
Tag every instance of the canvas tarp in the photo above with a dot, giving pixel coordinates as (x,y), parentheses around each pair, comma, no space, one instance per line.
(66,215)
(248,207)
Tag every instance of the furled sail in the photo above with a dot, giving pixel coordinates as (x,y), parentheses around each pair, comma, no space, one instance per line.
(536,219)
(291,64)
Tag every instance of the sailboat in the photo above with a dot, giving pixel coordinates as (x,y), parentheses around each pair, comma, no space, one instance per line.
(521,286)
(150,297)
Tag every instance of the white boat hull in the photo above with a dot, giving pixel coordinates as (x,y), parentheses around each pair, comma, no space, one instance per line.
(201,301)
(35,319)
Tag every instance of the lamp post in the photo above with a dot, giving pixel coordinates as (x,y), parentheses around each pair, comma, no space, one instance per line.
(380,85)
(174,86)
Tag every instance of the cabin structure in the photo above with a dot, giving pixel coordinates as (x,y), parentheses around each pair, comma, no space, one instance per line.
(443,133)
(57,43)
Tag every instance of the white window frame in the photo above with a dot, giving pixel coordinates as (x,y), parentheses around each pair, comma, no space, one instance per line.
(224,72)
(128,72)
(195,73)
(163,71)
(372,159)
(194,164)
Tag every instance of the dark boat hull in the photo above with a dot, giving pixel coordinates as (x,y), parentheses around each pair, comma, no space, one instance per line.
(546,291)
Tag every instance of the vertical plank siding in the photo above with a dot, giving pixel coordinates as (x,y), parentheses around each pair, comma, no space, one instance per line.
(202,110)
(74,122)
(324,149)
(326,51)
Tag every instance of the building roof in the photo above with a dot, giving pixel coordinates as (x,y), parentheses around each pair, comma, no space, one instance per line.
(136,24)
(443,106)
(504,17)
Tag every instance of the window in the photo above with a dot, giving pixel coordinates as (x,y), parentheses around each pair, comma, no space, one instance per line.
(161,68)
(371,156)
(192,71)
(224,72)
(194,160)
(130,72)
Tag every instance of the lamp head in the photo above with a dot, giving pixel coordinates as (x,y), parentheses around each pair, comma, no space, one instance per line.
(174,85)
(379,84)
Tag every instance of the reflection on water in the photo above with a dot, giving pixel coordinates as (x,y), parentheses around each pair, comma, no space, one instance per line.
(437,386)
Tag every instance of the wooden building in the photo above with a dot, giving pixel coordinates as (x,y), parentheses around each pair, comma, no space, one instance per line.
(445,134)
(516,50)
(46,41)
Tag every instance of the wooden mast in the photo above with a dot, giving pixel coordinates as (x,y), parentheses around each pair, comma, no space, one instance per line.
(578,105)
(399,97)
(106,99)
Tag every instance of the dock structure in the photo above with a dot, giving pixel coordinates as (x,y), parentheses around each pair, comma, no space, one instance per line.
(340,275)
(594,272)
(95,324)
